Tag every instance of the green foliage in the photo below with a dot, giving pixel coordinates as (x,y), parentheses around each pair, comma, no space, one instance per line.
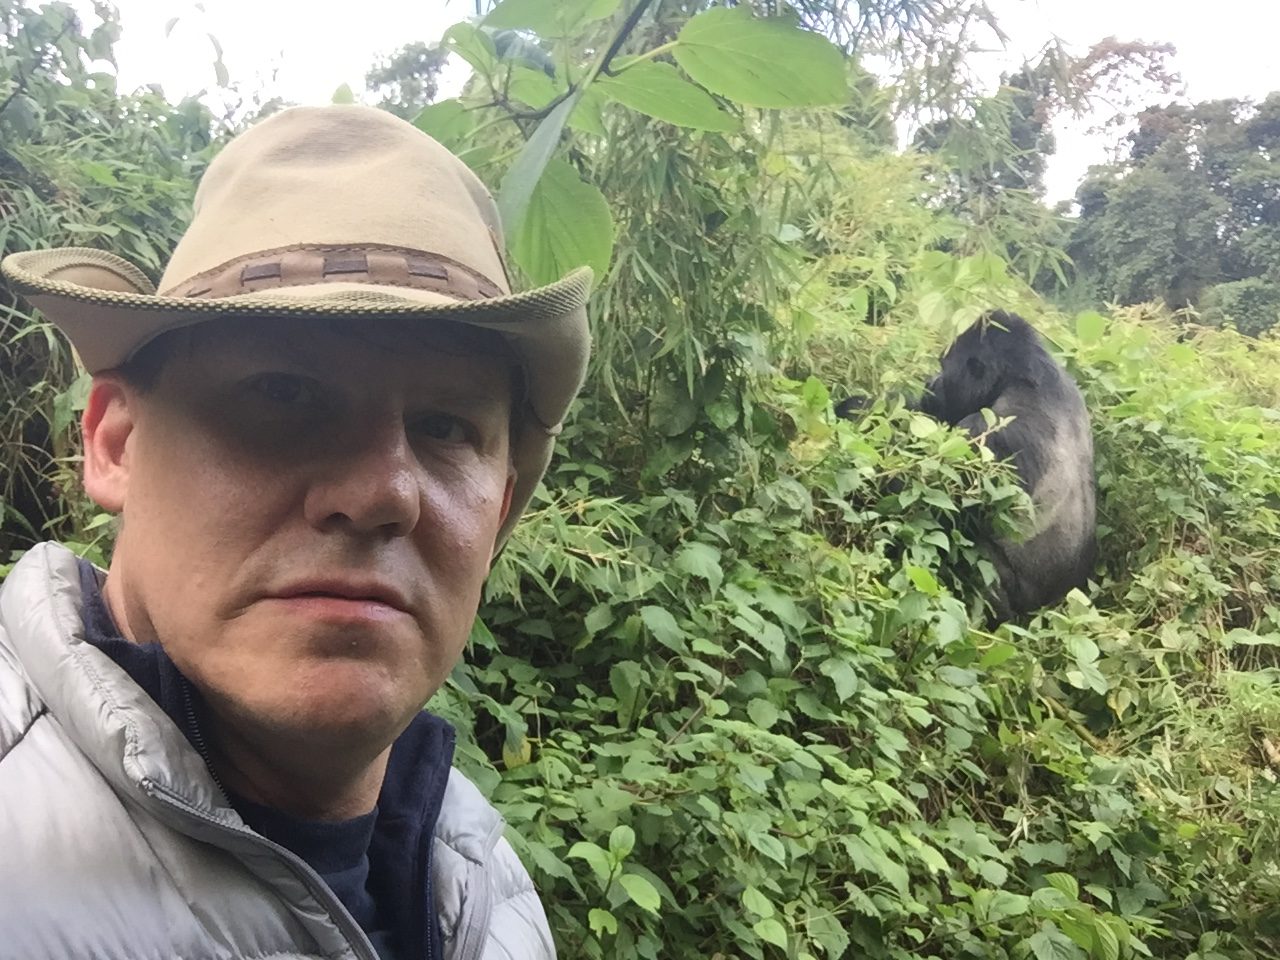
(80,165)
(759,717)
(1251,305)
(730,684)
(1191,216)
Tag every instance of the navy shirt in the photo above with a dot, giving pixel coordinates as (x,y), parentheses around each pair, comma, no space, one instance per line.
(378,864)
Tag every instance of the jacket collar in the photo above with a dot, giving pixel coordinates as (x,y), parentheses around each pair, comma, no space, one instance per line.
(113,721)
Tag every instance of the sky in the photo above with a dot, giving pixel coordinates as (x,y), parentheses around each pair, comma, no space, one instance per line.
(1223,50)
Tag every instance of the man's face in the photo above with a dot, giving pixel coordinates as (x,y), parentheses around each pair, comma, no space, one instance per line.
(309,512)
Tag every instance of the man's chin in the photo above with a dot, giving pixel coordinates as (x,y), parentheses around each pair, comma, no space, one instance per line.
(331,706)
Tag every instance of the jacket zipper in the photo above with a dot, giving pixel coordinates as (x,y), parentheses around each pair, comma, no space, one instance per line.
(356,937)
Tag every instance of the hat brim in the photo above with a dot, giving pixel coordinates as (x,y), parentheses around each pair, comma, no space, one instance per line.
(109,310)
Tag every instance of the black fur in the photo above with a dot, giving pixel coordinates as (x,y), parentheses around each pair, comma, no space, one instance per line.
(1000,364)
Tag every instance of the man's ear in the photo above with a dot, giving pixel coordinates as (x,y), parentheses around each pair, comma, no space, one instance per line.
(108,423)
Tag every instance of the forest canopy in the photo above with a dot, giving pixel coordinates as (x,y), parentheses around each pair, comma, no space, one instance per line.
(732,684)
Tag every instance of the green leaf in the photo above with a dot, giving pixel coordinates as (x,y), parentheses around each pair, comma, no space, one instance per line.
(1106,945)
(621,842)
(1049,944)
(524,174)
(1004,905)
(1065,883)
(657,90)
(531,87)
(567,225)
(771,931)
(759,62)
(597,859)
(922,580)
(762,713)
(842,675)
(770,846)
(1090,326)
(473,45)
(602,922)
(624,682)
(663,626)
(549,18)
(700,560)
(757,902)
(447,121)
(922,426)
(642,893)
(344,94)
(997,654)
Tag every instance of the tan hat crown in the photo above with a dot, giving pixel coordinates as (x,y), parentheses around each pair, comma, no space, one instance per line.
(282,204)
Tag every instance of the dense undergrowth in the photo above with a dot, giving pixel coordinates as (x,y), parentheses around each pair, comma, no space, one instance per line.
(731,684)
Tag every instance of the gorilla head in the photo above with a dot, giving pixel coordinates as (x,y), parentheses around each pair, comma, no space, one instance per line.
(997,351)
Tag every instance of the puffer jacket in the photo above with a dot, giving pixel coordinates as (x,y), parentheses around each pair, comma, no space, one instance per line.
(115,841)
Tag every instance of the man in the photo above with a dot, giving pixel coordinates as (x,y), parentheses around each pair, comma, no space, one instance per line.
(317,435)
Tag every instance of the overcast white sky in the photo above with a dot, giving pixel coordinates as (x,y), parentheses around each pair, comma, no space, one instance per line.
(304,52)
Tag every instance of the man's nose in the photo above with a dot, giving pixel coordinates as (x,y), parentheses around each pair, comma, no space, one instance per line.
(372,484)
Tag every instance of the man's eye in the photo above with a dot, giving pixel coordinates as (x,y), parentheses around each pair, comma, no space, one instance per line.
(284,388)
(444,427)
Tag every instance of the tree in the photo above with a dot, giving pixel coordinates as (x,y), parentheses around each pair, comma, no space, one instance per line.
(1195,203)
(406,81)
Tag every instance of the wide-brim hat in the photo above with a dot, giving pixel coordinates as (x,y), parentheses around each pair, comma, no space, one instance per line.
(332,212)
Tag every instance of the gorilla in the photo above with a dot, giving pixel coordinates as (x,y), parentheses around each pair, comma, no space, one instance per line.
(1000,364)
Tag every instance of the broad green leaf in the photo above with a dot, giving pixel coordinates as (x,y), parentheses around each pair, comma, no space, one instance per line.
(601,616)
(1049,943)
(447,121)
(567,225)
(663,626)
(769,845)
(997,654)
(1065,883)
(343,94)
(621,842)
(1004,905)
(700,560)
(473,45)
(549,18)
(922,579)
(771,931)
(1090,326)
(642,893)
(526,171)
(842,675)
(762,713)
(1106,945)
(602,922)
(923,426)
(757,902)
(595,857)
(531,87)
(760,62)
(657,90)
(624,682)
